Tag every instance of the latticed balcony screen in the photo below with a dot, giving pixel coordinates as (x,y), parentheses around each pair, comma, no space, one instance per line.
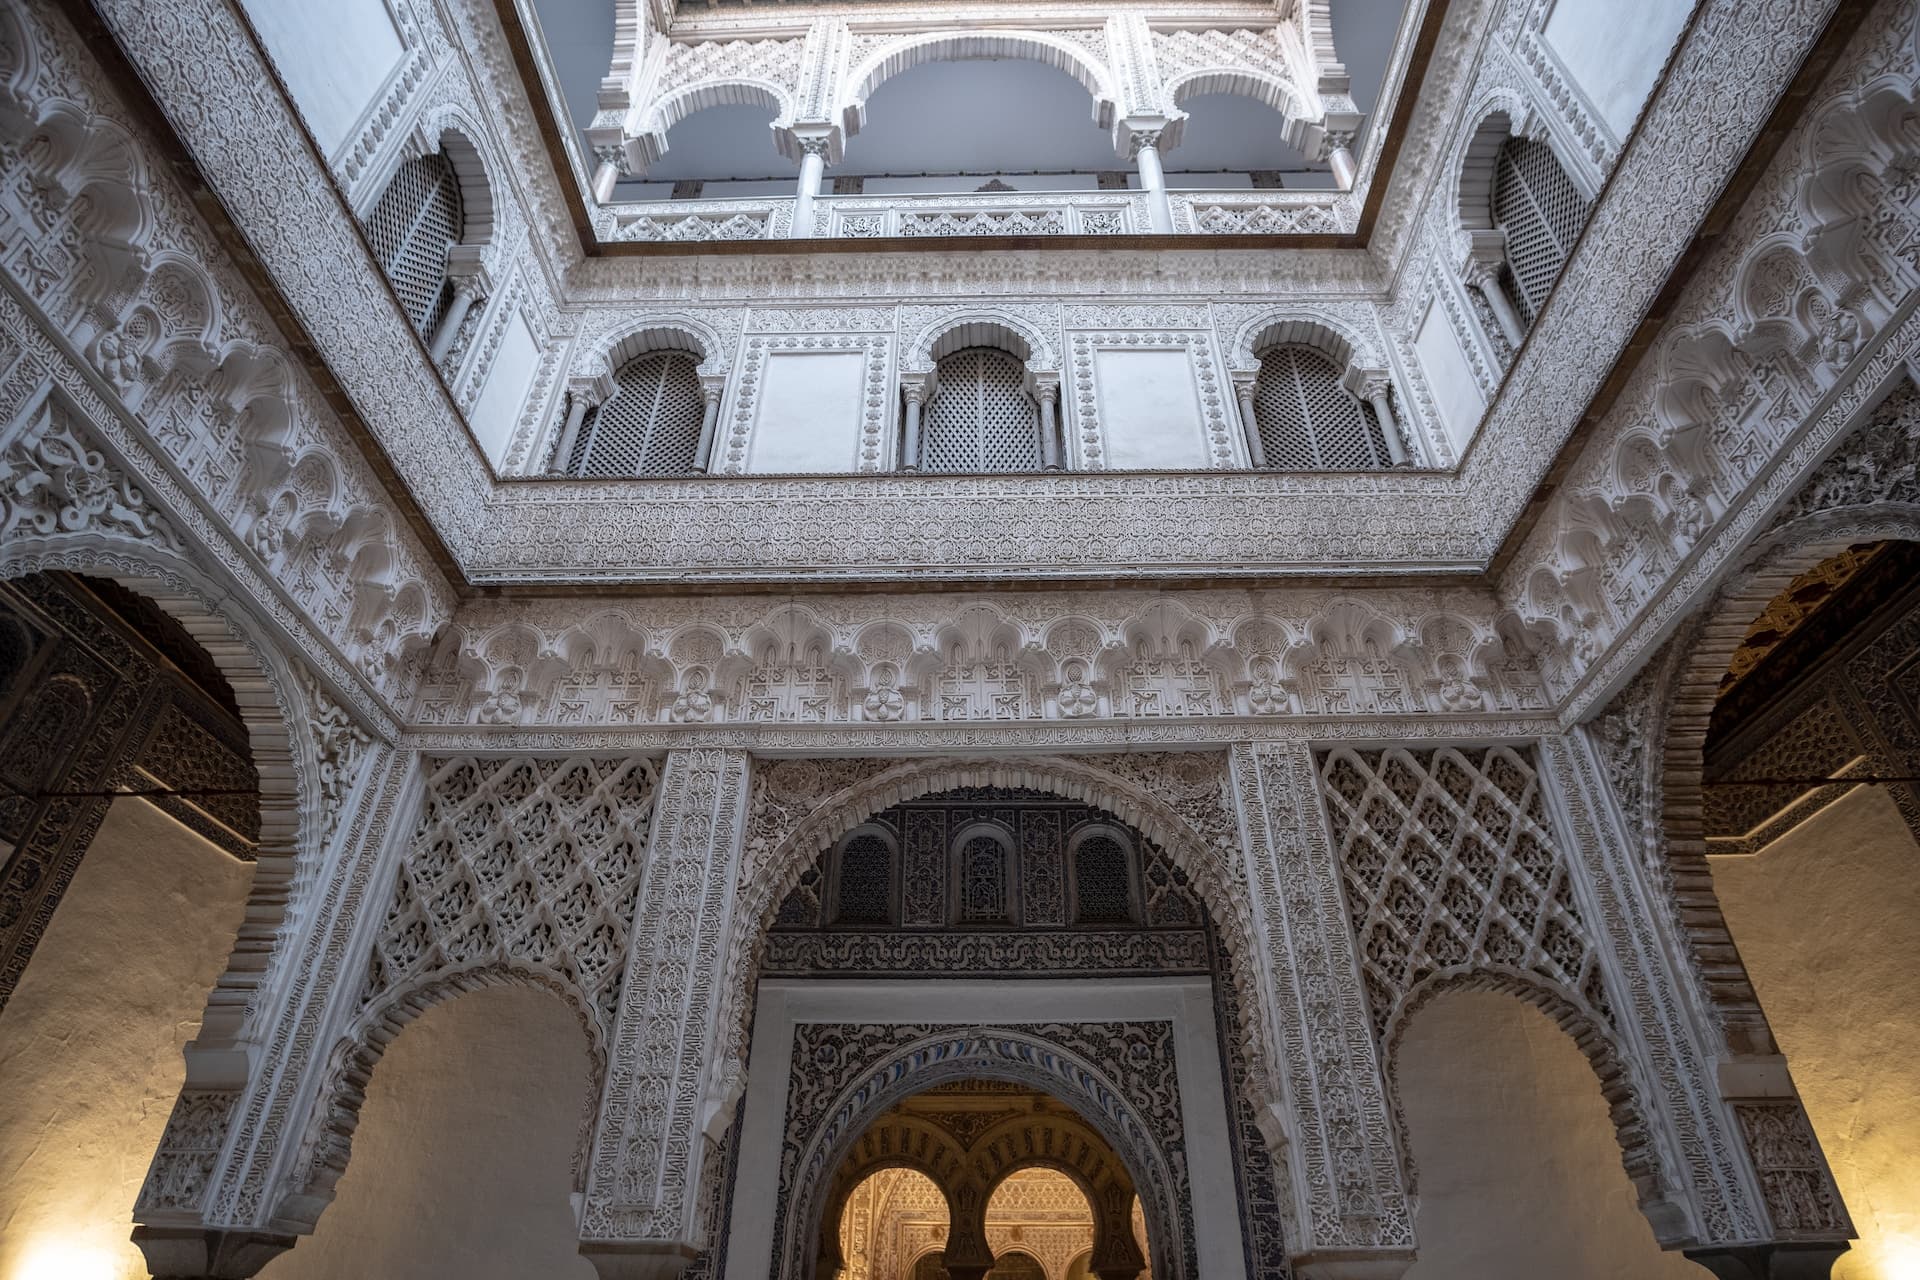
(418,218)
(866,882)
(1537,205)
(1100,888)
(1307,421)
(981,417)
(650,426)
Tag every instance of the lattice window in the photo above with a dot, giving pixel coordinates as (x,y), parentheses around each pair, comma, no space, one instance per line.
(981,417)
(1101,889)
(866,882)
(419,217)
(1307,421)
(983,882)
(650,426)
(1448,863)
(1537,205)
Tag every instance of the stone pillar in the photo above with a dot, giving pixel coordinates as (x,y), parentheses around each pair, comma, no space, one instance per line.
(914,387)
(711,390)
(1046,389)
(1376,390)
(813,164)
(640,1219)
(570,434)
(1340,160)
(1145,146)
(234,1183)
(1486,255)
(1323,1106)
(468,275)
(1243,392)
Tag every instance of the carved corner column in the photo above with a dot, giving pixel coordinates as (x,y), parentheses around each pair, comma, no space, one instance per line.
(640,1219)
(1746,1192)
(1143,135)
(1324,1111)
(1375,388)
(467,273)
(1244,382)
(713,386)
(914,390)
(231,1185)
(1046,390)
(1486,256)
(584,395)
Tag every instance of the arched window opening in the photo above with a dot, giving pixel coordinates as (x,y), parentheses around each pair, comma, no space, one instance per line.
(981,417)
(1541,211)
(1102,881)
(865,887)
(651,424)
(1307,421)
(418,219)
(981,884)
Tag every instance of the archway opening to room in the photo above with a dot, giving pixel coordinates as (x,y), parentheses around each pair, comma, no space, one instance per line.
(1811,814)
(998,986)
(1513,1151)
(721,150)
(1001,1180)
(130,820)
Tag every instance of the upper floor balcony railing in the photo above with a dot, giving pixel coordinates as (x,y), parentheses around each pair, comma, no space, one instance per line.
(999,213)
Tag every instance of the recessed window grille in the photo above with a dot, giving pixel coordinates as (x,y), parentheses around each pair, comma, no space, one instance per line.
(1307,421)
(1537,205)
(983,882)
(981,417)
(866,882)
(418,218)
(649,426)
(1100,889)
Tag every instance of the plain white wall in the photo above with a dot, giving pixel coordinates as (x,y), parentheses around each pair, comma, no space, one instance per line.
(1520,1176)
(461,1163)
(1614,50)
(1149,409)
(505,393)
(1825,919)
(807,415)
(90,1040)
(335,57)
(1456,393)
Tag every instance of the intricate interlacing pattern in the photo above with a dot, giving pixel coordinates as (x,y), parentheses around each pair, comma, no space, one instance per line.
(522,864)
(1448,863)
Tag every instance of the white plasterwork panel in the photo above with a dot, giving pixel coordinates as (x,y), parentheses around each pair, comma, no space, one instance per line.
(501,399)
(1614,49)
(335,58)
(809,417)
(1455,392)
(1149,409)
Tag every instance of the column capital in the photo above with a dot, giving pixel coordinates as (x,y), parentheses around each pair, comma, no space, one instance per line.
(821,138)
(1045,385)
(467,271)
(1136,132)
(1485,252)
(1367,383)
(916,387)
(593,389)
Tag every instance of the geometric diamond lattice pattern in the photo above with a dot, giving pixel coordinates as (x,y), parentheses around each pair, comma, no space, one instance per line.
(1541,211)
(1447,863)
(651,424)
(526,864)
(1308,421)
(418,217)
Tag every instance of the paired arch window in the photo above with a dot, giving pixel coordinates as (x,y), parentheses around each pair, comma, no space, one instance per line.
(1307,420)
(419,217)
(982,870)
(981,417)
(1536,203)
(649,426)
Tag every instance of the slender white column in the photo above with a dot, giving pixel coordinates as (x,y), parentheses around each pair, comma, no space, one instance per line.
(915,392)
(1382,402)
(576,414)
(1344,169)
(703,456)
(449,326)
(1048,392)
(813,164)
(1153,179)
(1256,452)
(1482,272)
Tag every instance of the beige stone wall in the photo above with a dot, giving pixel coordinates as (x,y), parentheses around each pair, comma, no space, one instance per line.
(461,1163)
(90,1042)
(1520,1177)
(1828,921)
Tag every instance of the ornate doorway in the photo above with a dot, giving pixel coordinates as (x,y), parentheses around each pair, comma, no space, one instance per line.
(1025,956)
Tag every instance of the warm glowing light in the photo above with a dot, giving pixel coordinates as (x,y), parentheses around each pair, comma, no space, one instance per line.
(1902,1257)
(59,1260)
